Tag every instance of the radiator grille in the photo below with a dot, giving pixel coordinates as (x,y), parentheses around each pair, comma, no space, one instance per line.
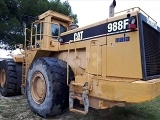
(152,50)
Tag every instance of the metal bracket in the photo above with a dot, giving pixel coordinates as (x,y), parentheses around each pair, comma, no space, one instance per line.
(83,97)
(23,89)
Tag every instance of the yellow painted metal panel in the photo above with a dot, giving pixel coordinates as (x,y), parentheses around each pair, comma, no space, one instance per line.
(95,60)
(132,92)
(124,58)
(104,60)
(18,58)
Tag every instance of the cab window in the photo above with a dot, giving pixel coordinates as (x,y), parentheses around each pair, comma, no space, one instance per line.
(62,28)
(39,31)
(55,30)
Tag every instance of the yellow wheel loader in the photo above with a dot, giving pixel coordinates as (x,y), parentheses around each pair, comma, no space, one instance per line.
(111,62)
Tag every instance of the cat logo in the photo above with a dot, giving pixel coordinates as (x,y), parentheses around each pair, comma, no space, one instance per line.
(78,36)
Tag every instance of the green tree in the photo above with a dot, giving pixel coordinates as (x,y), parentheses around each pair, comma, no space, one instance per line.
(63,7)
(14,12)
(9,24)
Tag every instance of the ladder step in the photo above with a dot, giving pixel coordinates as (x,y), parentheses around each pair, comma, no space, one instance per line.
(77,97)
(79,111)
(77,84)
(83,97)
(28,40)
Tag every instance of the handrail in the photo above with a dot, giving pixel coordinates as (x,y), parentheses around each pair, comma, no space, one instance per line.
(148,15)
(126,10)
(139,9)
(41,27)
(43,35)
(25,42)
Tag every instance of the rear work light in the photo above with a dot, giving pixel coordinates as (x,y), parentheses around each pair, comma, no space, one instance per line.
(132,23)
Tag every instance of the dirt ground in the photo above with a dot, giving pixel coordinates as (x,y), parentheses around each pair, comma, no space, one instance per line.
(16,108)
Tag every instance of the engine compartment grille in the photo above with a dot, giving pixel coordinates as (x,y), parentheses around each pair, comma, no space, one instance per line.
(152,50)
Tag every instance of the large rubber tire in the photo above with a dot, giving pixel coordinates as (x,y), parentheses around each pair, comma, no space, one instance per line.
(19,77)
(56,99)
(13,77)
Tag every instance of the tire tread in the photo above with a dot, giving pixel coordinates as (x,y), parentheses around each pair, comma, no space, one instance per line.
(59,91)
(12,85)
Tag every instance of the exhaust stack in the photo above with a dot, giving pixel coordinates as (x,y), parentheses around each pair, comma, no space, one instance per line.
(111,8)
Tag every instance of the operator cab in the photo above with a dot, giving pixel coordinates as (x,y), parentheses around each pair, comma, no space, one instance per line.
(47,29)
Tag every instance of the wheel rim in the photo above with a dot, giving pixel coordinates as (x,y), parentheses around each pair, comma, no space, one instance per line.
(2,77)
(38,88)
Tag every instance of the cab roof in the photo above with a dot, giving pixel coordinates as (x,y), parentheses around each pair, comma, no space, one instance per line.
(56,15)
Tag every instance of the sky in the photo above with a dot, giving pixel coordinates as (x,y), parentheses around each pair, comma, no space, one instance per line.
(91,11)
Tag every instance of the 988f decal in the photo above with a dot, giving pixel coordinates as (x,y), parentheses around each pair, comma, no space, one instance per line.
(118,26)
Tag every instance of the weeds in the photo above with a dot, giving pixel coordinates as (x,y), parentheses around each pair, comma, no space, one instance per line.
(16,108)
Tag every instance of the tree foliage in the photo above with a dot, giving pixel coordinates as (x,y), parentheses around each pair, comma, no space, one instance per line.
(14,12)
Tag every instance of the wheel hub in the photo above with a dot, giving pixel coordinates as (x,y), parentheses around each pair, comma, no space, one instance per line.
(2,77)
(38,88)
